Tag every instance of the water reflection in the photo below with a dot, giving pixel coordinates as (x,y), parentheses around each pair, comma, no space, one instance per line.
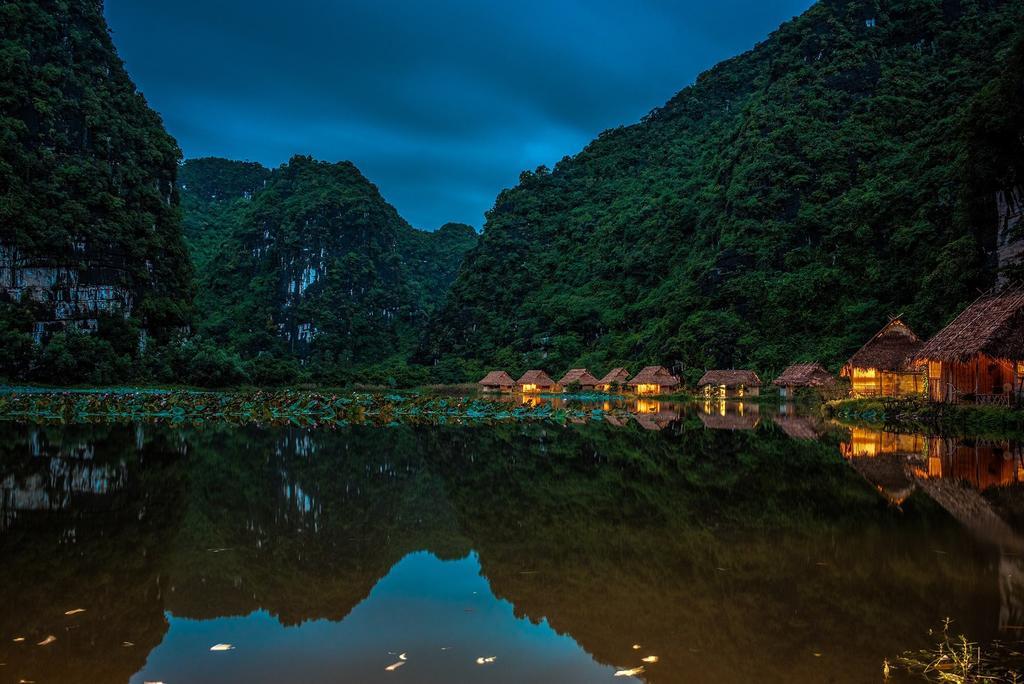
(733,555)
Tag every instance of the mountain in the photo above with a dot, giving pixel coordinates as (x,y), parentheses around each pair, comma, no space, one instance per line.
(308,262)
(89,225)
(776,210)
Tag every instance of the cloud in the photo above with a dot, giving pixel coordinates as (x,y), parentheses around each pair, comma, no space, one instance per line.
(441,104)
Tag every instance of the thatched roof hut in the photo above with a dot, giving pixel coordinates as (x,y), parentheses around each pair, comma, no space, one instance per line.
(979,355)
(993,326)
(579,376)
(617,376)
(884,366)
(498,380)
(891,349)
(804,375)
(534,380)
(654,380)
(730,379)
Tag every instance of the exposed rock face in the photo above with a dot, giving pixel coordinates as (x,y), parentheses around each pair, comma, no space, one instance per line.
(1010,235)
(88,208)
(310,259)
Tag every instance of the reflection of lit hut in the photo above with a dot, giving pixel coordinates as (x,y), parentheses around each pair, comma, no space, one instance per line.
(802,375)
(616,379)
(536,381)
(579,376)
(799,427)
(882,367)
(888,473)
(980,355)
(982,463)
(654,415)
(497,381)
(723,415)
(654,380)
(723,384)
(867,443)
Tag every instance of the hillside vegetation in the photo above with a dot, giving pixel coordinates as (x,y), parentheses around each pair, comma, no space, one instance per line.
(777,210)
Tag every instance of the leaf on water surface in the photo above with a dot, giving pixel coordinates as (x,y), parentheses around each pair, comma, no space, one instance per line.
(636,647)
(18,639)
(394,666)
(47,641)
(650,659)
(222,647)
(76,611)
(630,673)
(483,660)
(402,656)
(126,644)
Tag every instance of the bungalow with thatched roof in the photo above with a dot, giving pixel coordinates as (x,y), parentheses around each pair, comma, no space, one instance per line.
(884,366)
(654,380)
(497,381)
(979,357)
(724,384)
(536,381)
(615,380)
(580,377)
(802,375)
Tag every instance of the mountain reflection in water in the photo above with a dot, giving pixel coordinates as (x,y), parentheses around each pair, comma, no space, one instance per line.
(733,551)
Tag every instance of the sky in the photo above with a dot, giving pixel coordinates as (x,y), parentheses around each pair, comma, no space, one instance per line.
(441,103)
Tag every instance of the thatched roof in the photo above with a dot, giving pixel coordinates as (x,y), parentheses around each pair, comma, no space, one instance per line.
(891,349)
(804,375)
(617,375)
(580,376)
(730,378)
(993,325)
(497,379)
(654,375)
(535,377)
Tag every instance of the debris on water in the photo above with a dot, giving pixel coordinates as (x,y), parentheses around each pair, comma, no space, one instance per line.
(402,656)
(636,647)
(630,673)
(650,659)
(394,666)
(18,639)
(47,641)
(76,611)
(484,660)
(222,647)
(126,644)
(446,648)
(817,655)
(218,550)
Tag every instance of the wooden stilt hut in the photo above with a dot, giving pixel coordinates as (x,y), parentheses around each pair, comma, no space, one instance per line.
(802,375)
(725,384)
(536,381)
(979,357)
(654,380)
(884,366)
(497,381)
(615,380)
(580,377)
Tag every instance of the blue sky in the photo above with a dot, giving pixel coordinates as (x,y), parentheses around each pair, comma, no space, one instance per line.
(441,103)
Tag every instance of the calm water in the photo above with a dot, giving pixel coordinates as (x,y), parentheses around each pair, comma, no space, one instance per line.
(734,545)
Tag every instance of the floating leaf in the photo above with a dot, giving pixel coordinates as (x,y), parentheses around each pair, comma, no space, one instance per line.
(636,647)
(394,666)
(222,647)
(650,659)
(630,673)
(402,656)
(76,611)
(485,660)
(18,639)
(47,641)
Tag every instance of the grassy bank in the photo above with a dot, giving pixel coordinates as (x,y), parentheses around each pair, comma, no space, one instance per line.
(921,416)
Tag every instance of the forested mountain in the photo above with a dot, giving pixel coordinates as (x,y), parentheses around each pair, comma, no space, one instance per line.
(308,262)
(776,210)
(89,227)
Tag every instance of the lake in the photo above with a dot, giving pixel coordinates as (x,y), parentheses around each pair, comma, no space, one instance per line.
(731,544)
